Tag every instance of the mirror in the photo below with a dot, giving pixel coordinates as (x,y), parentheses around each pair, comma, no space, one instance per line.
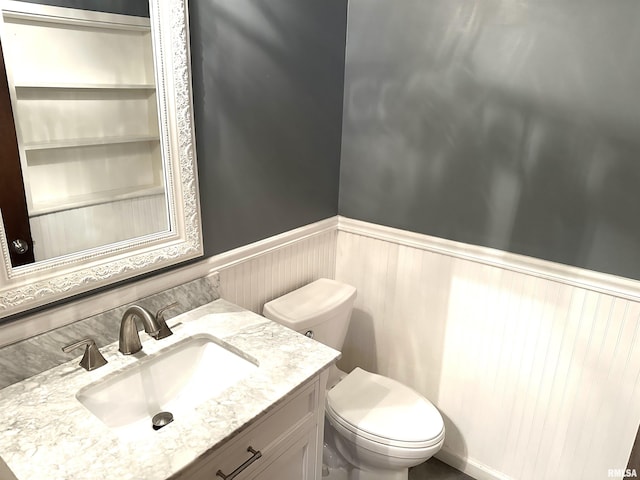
(104,133)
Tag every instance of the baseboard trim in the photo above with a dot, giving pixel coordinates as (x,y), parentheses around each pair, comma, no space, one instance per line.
(574,276)
(474,469)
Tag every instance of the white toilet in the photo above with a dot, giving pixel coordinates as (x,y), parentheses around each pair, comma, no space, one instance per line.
(379,426)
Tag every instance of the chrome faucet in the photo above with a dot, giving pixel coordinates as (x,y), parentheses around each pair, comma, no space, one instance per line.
(129,338)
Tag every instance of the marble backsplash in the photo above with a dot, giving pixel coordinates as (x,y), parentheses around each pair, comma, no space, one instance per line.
(39,353)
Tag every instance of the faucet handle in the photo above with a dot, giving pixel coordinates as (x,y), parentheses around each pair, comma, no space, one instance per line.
(160,313)
(164,331)
(92,357)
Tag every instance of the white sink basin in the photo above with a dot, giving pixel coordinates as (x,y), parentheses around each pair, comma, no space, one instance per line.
(176,379)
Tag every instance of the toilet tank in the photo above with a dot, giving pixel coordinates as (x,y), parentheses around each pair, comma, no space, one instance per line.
(322,307)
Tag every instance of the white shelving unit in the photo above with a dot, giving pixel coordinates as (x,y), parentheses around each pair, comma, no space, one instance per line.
(84,99)
(84,102)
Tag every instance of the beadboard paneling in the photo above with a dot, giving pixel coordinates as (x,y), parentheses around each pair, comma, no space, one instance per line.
(253,282)
(536,379)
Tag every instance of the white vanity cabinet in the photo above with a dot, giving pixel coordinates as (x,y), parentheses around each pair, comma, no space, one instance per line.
(285,444)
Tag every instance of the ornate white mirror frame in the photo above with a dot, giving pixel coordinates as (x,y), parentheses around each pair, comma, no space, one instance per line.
(26,287)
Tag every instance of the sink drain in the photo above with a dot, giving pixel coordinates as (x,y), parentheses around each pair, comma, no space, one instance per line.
(161,419)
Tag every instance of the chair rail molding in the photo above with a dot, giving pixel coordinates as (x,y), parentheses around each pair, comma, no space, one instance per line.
(578,277)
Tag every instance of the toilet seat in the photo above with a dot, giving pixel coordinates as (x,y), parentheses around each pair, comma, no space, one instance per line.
(383,414)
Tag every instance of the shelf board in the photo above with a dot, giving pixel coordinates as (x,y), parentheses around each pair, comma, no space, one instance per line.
(86,86)
(79,201)
(88,142)
(13,10)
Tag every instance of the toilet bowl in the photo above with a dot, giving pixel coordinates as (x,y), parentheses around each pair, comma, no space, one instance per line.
(378,426)
(382,426)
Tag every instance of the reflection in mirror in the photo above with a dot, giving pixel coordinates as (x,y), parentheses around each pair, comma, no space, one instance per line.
(83,93)
(110,124)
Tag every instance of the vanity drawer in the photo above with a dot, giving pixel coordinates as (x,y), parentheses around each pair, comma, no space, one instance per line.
(271,436)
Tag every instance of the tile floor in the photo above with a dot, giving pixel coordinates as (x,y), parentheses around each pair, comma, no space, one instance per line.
(434,469)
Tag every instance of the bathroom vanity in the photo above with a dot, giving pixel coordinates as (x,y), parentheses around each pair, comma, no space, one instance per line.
(282,445)
(68,423)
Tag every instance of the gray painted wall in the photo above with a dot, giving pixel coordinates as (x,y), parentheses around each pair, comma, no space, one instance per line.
(268,82)
(514,125)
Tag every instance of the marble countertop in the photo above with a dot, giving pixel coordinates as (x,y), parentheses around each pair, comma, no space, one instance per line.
(48,433)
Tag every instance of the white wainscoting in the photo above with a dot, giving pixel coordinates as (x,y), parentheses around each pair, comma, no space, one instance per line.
(252,282)
(536,378)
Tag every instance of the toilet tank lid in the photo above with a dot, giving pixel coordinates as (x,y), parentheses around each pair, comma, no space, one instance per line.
(310,304)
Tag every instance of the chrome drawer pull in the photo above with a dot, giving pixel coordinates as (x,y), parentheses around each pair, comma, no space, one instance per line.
(256,454)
